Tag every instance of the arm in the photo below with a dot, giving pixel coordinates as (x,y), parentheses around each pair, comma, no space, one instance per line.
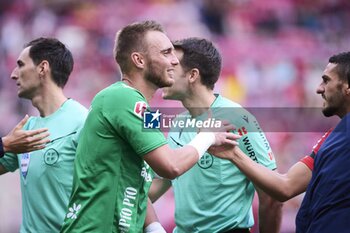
(280,186)
(19,140)
(158,188)
(270,213)
(152,224)
(171,163)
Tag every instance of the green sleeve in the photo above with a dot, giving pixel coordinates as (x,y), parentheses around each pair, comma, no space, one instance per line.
(10,162)
(128,122)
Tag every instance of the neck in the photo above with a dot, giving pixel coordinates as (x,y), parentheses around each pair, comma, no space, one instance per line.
(49,101)
(199,102)
(146,88)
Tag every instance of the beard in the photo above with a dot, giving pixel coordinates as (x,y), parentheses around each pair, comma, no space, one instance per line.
(333,103)
(329,111)
(159,79)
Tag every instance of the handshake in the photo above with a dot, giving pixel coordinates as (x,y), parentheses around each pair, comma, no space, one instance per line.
(219,143)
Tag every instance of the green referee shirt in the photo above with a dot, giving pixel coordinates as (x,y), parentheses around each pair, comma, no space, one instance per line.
(46,175)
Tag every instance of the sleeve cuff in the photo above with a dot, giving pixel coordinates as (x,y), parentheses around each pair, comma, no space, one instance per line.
(308,161)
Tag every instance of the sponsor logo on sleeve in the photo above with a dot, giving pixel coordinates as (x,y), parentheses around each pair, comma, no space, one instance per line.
(140,108)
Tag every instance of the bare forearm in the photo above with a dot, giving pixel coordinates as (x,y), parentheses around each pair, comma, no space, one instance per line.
(158,188)
(184,158)
(152,224)
(151,215)
(270,213)
(170,163)
(270,217)
(277,185)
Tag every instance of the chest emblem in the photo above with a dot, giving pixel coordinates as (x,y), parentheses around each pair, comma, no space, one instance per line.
(206,161)
(51,157)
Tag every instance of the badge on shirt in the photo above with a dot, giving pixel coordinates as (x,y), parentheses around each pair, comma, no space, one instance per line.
(25,158)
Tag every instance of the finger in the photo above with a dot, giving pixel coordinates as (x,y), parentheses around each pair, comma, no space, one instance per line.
(224,128)
(40,147)
(22,122)
(38,132)
(37,147)
(40,142)
(228,128)
(231,142)
(42,139)
(233,127)
(225,122)
(232,136)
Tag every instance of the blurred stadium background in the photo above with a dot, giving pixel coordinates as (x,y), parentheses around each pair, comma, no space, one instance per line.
(274,53)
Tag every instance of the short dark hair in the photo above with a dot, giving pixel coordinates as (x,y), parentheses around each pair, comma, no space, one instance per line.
(131,38)
(56,53)
(343,65)
(201,54)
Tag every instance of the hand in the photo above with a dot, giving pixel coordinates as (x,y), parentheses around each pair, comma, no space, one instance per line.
(225,142)
(20,141)
(223,152)
(225,137)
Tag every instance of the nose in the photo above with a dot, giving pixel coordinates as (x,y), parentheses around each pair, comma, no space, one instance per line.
(320,89)
(14,74)
(175,60)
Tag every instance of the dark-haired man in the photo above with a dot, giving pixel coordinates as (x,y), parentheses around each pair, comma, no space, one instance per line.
(20,141)
(43,68)
(215,196)
(325,173)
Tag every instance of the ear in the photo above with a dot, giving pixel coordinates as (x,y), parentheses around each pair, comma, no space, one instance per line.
(347,91)
(194,75)
(43,68)
(138,60)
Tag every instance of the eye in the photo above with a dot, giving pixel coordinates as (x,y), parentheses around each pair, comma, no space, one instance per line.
(20,63)
(167,51)
(325,79)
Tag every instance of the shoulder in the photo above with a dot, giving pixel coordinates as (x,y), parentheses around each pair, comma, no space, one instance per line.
(224,102)
(75,110)
(120,95)
(76,106)
(228,109)
(121,90)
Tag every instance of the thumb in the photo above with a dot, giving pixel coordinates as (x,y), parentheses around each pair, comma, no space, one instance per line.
(22,122)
